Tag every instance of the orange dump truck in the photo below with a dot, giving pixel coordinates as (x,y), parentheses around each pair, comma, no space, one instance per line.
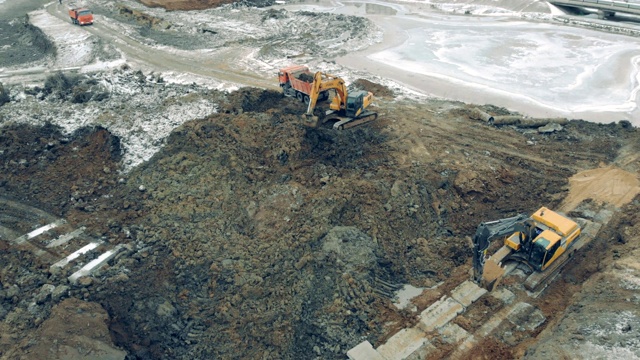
(81,16)
(297,81)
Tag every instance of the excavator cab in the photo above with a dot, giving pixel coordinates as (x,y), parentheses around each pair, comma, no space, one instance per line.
(355,103)
(543,250)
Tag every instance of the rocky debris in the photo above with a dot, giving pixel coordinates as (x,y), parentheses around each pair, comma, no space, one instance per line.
(229,218)
(351,247)
(306,77)
(377,89)
(129,103)
(143,18)
(550,128)
(75,330)
(252,226)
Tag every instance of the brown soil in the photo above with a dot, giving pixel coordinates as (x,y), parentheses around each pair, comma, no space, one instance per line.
(608,184)
(75,330)
(235,210)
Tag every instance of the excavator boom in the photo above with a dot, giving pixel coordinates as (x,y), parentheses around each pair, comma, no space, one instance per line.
(488,231)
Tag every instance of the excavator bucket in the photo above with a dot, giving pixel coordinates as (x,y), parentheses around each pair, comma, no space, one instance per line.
(311,120)
(344,122)
(493,270)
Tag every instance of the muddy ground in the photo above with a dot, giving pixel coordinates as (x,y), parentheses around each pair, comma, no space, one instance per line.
(255,236)
(239,211)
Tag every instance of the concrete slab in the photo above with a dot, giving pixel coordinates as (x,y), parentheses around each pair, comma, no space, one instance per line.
(487,328)
(364,351)
(452,333)
(439,314)
(95,264)
(65,238)
(463,349)
(426,351)
(38,231)
(493,322)
(402,344)
(526,316)
(467,292)
(504,295)
(404,296)
(90,246)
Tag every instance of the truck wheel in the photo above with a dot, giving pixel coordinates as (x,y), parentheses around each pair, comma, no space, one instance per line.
(299,96)
(306,99)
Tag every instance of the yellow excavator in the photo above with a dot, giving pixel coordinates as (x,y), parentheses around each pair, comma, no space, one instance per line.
(348,109)
(541,241)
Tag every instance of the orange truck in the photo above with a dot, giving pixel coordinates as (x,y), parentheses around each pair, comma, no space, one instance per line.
(81,16)
(297,81)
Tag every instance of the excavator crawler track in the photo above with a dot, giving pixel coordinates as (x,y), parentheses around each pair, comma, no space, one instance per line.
(347,122)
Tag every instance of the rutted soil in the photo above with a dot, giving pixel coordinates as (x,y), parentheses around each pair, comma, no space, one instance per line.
(254,236)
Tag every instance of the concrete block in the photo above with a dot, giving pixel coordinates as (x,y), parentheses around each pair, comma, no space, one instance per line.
(526,316)
(95,264)
(439,314)
(404,343)
(38,231)
(90,246)
(63,239)
(464,348)
(364,351)
(452,333)
(504,295)
(426,351)
(467,292)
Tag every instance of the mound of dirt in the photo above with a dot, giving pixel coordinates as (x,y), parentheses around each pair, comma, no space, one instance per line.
(251,226)
(377,89)
(22,43)
(75,330)
(608,184)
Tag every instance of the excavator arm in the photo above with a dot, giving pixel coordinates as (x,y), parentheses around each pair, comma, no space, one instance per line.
(488,231)
(323,82)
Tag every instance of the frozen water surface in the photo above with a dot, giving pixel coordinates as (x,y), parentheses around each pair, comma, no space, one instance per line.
(559,67)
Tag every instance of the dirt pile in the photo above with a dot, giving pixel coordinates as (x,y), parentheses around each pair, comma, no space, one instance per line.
(75,330)
(23,43)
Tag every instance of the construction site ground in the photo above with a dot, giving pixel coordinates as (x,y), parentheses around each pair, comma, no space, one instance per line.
(142,218)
